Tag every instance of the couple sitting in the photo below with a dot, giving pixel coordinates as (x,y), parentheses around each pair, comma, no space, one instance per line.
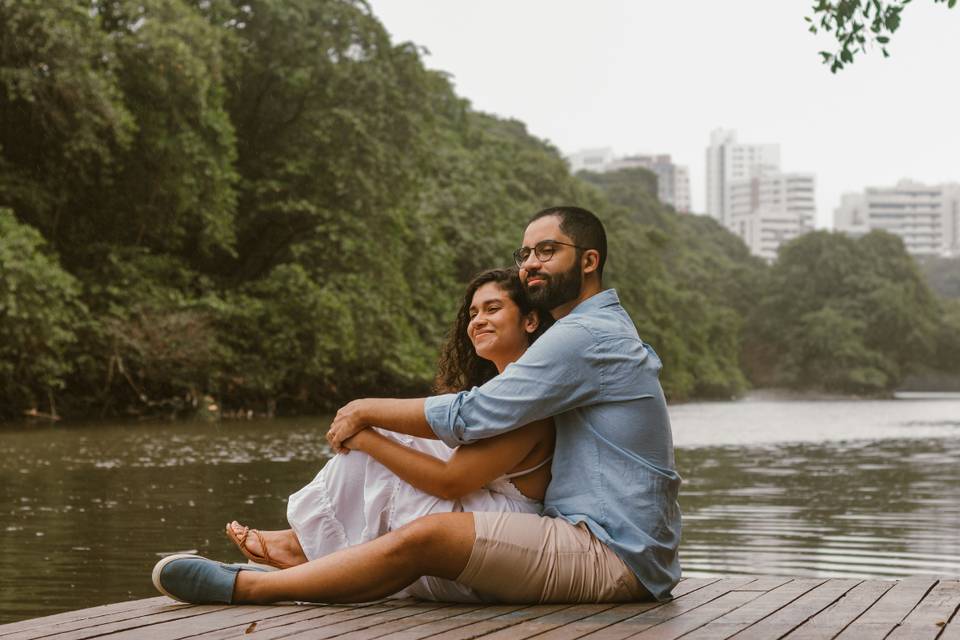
(477,516)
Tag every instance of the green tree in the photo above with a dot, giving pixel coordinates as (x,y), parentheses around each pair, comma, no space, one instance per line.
(857,25)
(64,119)
(39,314)
(943,275)
(859,308)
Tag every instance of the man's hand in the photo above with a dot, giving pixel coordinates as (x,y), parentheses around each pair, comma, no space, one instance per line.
(348,421)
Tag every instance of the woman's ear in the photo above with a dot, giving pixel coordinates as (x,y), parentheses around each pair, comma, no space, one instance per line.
(531,321)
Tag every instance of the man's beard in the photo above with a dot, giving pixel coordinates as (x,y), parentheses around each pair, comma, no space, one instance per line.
(556,290)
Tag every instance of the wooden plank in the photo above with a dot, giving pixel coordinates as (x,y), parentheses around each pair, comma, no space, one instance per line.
(597,621)
(756,609)
(785,620)
(440,627)
(320,625)
(81,628)
(330,629)
(235,620)
(445,612)
(490,625)
(549,622)
(889,611)
(649,616)
(765,583)
(316,614)
(929,617)
(835,618)
(83,614)
(697,618)
(951,631)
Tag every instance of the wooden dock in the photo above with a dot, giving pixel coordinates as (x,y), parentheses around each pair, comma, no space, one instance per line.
(712,608)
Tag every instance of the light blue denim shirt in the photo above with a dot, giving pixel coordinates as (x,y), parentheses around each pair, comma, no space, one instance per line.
(613,464)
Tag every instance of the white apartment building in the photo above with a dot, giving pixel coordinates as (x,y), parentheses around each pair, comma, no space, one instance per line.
(768,210)
(591,160)
(728,161)
(927,218)
(673,180)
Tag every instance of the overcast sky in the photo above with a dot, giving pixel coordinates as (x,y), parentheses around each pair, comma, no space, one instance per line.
(658,76)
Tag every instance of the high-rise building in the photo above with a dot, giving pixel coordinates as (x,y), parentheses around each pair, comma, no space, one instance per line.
(728,161)
(591,160)
(771,209)
(673,180)
(927,218)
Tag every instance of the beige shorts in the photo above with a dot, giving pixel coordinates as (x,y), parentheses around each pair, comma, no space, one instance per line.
(523,557)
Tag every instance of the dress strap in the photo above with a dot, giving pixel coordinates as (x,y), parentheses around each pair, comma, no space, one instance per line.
(517,474)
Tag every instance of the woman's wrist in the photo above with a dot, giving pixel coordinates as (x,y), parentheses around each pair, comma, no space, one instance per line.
(359,440)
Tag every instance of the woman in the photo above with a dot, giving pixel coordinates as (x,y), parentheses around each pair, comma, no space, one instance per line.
(395,479)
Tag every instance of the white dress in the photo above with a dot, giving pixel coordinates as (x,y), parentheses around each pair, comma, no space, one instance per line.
(355,499)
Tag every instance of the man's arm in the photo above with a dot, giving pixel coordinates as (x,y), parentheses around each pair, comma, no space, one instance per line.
(562,370)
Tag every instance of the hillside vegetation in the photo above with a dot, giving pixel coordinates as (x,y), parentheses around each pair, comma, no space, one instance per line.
(269,206)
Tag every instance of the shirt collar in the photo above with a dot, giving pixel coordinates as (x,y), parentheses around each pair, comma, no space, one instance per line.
(606,298)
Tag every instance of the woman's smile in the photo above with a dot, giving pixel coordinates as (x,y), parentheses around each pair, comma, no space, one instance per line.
(496,325)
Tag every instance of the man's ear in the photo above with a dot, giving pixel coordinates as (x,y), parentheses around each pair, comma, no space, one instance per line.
(590,261)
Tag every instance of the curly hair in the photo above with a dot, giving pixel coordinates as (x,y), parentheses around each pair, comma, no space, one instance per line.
(460,367)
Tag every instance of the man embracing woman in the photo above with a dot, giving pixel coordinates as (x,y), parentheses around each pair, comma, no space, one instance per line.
(542,472)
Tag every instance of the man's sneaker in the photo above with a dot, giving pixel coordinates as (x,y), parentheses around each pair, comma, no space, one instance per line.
(197,580)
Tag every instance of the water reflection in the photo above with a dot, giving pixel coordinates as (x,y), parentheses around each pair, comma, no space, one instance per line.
(87,510)
(883,509)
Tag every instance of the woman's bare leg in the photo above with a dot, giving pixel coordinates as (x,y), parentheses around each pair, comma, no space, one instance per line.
(435,545)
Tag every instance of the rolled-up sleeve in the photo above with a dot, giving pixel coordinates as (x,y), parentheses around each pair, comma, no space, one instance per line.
(558,372)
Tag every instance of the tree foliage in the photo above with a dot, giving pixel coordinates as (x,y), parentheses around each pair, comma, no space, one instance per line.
(843,314)
(267,205)
(39,314)
(857,25)
(943,275)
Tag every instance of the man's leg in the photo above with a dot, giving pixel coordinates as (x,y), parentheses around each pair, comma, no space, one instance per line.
(435,545)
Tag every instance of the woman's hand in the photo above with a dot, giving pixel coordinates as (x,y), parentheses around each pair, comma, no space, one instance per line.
(349,421)
(360,440)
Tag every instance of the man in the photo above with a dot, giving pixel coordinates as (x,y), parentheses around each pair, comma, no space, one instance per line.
(611,524)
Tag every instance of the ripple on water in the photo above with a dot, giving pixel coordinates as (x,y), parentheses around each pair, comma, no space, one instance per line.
(109,499)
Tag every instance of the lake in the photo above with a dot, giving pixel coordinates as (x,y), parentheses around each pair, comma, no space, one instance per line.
(772,485)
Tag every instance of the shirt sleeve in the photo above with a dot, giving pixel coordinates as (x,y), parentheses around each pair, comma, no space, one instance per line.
(558,372)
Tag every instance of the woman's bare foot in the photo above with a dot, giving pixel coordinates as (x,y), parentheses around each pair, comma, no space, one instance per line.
(279,549)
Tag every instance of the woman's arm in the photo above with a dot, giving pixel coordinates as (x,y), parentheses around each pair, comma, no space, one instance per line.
(470,467)
(393,414)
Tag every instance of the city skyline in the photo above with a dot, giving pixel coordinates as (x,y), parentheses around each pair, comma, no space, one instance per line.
(648,79)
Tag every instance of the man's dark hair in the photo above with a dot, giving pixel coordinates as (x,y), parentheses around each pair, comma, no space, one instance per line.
(583,227)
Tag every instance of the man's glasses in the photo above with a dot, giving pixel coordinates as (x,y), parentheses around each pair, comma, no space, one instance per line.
(544,251)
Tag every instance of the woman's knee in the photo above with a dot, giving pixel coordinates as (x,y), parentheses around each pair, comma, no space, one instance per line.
(440,544)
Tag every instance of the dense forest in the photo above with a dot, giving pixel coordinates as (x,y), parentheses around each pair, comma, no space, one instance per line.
(267,206)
